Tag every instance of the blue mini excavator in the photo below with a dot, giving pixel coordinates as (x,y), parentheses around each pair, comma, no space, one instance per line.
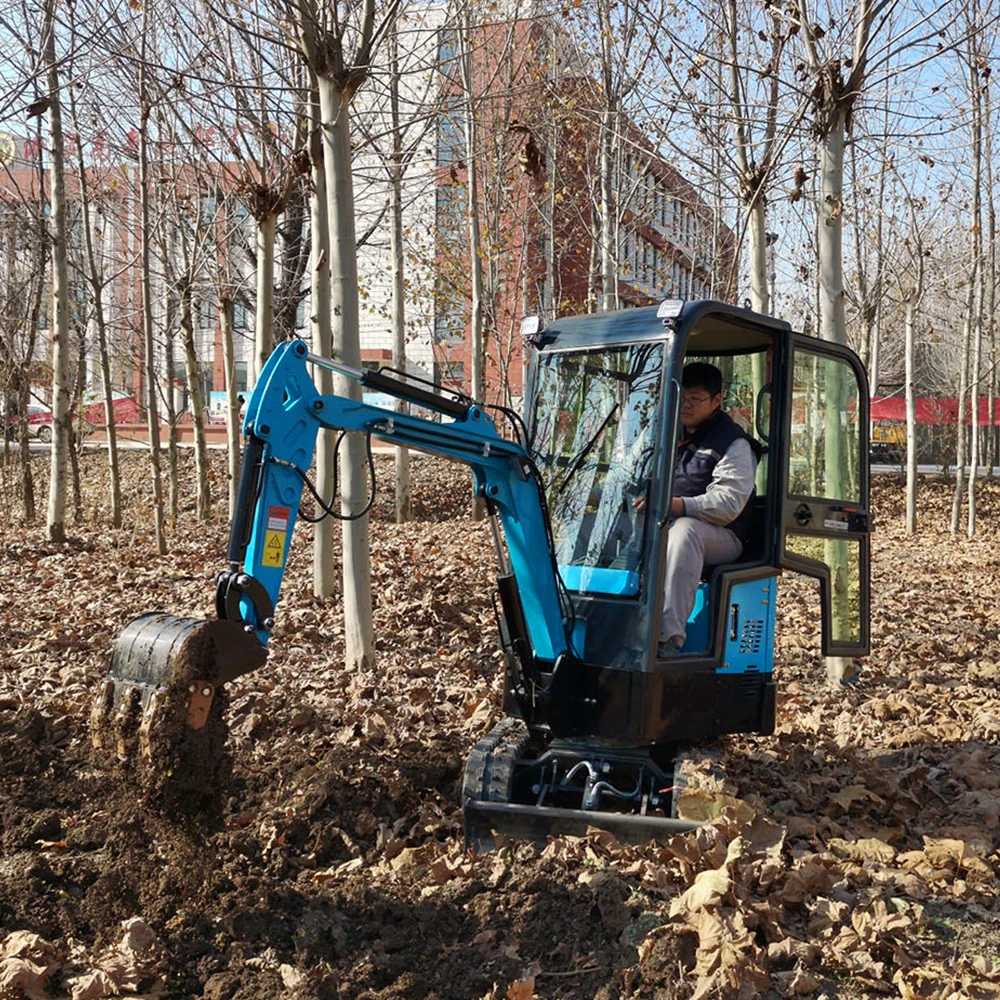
(593,715)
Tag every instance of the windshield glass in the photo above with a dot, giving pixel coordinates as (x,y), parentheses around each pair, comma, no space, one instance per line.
(594,440)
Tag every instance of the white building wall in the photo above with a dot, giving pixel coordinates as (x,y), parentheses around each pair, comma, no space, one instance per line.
(418,48)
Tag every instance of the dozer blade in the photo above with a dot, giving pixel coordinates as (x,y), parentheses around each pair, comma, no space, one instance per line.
(161,702)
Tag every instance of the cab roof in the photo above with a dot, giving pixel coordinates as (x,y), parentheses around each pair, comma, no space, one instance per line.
(711,328)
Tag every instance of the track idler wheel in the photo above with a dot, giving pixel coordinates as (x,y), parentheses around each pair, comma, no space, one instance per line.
(160,707)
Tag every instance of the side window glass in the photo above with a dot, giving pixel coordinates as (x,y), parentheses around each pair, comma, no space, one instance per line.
(824,448)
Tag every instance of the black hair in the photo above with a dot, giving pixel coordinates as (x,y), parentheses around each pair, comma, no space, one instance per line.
(700,375)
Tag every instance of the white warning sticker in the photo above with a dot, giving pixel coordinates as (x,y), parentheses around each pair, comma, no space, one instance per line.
(277,519)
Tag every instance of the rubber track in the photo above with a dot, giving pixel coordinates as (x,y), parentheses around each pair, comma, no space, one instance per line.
(489,771)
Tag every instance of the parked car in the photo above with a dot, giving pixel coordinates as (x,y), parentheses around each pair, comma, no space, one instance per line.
(39,423)
(125,408)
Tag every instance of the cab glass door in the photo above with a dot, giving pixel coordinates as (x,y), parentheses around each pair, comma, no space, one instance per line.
(825,520)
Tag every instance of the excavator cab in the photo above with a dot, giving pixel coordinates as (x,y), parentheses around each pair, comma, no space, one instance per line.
(603,413)
(579,491)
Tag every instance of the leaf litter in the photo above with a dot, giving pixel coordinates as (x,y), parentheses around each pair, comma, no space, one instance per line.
(852,854)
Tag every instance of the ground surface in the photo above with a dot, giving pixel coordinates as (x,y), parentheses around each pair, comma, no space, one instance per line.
(855,854)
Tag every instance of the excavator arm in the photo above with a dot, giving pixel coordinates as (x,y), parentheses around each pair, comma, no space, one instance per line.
(166,672)
(283,418)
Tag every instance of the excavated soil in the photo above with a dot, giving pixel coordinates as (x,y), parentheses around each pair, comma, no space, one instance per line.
(854,853)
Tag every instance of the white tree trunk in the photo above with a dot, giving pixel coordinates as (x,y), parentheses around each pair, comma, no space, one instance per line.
(335,110)
(203,505)
(757,254)
(402,455)
(59,459)
(961,432)
(95,222)
(232,399)
(609,276)
(757,233)
(264,318)
(976,96)
(149,344)
(324,570)
(974,451)
(477,352)
(833,319)
(911,422)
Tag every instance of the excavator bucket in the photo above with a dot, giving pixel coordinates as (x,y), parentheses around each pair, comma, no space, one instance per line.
(161,704)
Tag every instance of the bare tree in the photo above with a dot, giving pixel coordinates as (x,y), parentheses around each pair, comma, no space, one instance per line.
(337,41)
(61,409)
(149,342)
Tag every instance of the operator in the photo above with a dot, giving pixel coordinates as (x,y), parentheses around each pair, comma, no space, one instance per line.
(714,478)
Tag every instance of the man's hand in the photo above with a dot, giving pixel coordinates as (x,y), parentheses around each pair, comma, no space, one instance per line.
(676,506)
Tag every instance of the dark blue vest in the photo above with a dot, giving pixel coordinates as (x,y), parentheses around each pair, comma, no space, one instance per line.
(698,455)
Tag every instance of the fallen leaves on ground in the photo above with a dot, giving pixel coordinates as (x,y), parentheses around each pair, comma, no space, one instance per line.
(852,854)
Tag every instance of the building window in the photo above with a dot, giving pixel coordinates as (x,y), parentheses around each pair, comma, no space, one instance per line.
(239,315)
(449,314)
(452,373)
(206,313)
(451,133)
(448,53)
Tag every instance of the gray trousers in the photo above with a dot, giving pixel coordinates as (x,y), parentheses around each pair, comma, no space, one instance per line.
(691,545)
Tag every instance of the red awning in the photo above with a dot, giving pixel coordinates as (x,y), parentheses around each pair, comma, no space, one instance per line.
(931,411)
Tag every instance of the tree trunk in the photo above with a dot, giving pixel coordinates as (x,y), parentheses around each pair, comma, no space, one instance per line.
(609,279)
(961,432)
(606,164)
(911,422)
(476,348)
(173,459)
(204,501)
(232,398)
(833,326)
(264,315)
(94,222)
(324,575)
(335,109)
(56,520)
(757,230)
(976,95)
(833,320)
(976,362)
(23,383)
(402,455)
(149,344)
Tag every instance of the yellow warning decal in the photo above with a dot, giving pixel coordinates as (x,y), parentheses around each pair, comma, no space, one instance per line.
(274,549)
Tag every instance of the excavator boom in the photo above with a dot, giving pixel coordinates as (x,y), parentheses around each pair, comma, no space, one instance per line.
(166,672)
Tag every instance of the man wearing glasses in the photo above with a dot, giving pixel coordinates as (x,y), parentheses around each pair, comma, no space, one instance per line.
(709,512)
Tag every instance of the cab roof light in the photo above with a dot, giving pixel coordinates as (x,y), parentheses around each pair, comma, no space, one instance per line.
(670,309)
(531,329)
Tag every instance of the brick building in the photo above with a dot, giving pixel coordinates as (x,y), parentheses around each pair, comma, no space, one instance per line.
(535,157)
